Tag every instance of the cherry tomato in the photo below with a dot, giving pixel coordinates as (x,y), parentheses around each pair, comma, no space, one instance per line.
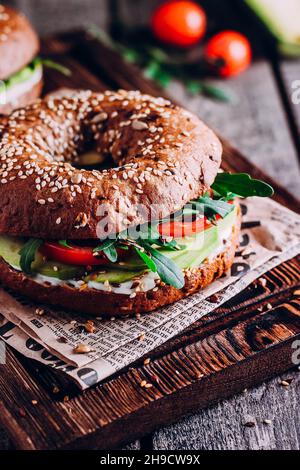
(75,255)
(229,53)
(180,23)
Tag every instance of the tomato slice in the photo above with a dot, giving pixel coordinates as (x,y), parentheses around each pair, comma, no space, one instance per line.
(83,255)
(181,228)
(75,255)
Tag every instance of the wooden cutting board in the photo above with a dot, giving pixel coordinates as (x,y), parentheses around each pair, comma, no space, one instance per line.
(240,344)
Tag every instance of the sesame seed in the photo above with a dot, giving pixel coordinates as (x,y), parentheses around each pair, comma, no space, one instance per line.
(148,385)
(139,125)
(284,383)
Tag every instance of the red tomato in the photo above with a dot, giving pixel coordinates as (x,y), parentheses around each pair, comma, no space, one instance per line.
(229,53)
(75,255)
(179,23)
(179,229)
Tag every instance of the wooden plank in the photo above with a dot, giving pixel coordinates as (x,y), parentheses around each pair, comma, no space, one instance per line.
(4,441)
(201,373)
(240,422)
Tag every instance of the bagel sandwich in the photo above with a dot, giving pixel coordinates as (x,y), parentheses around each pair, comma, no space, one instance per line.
(20,69)
(158,222)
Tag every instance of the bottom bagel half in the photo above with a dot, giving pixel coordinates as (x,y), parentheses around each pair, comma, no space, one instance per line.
(88,300)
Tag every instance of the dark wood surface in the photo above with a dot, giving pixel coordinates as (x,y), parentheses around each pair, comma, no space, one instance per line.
(242,344)
(265,126)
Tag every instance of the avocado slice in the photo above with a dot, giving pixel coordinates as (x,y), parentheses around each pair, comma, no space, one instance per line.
(114,275)
(59,270)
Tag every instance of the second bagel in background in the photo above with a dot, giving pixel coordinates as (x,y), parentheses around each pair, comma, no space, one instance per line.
(21,74)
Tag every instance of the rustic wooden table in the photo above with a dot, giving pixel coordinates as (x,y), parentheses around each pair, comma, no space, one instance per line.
(265,125)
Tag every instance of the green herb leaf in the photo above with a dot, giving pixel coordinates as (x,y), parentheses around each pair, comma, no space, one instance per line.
(59,67)
(27,254)
(151,70)
(158,54)
(172,245)
(212,207)
(157,72)
(218,93)
(130,55)
(193,87)
(109,249)
(64,243)
(147,260)
(241,185)
(111,253)
(167,270)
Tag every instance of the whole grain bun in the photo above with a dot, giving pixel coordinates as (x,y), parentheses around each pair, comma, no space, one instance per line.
(19,43)
(108,304)
(165,157)
(24,99)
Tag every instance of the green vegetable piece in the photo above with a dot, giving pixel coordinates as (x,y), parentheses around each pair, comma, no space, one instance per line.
(167,270)
(147,260)
(28,253)
(109,249)
(212,207)
(51,64)
(241,185)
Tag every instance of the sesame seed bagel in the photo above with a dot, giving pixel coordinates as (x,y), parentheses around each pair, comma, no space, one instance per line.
(19,43)
(164,156)
(107,304)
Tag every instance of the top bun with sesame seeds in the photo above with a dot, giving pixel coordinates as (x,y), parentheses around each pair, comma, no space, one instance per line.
(19,43)
(164,156)
(21,72)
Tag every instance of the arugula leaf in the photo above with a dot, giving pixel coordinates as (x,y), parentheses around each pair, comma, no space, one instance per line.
(212,207)
(167,270)
(109,249)
(195,87)
(59,67)
(27,254)
(147,260)
(111,253)
(241,185)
